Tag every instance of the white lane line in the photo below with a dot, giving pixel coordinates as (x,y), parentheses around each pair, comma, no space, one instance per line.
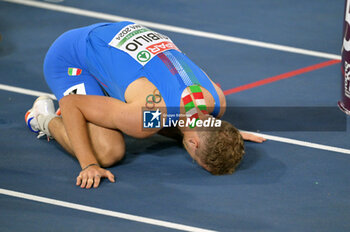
(110,213)
(269,137)
(302,143)
(25,91)
(182,30)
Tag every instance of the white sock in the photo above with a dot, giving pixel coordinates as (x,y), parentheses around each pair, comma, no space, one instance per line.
(43,122)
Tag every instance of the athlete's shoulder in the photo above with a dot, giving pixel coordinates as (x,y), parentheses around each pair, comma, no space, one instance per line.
(221,96)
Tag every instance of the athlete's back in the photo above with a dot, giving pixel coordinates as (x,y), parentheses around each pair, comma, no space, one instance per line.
(120,53)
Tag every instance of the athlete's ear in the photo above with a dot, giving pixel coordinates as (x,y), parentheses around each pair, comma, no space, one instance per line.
(193,143)
(190,141)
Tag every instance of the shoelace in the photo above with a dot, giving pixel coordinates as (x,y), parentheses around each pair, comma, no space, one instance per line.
(42,134)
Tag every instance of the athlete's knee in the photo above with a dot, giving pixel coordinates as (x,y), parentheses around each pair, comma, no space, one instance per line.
(67,102)
(112,155)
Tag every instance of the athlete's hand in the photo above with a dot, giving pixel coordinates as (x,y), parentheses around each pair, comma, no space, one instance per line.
(91,177)
(251,137)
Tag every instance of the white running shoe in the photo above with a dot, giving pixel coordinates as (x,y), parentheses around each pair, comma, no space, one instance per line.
(31,121)
(36,118)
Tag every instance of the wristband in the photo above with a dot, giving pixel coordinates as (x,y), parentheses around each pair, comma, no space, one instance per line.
(93,164)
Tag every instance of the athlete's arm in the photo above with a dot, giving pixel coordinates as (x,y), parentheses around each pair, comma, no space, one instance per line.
(245,135)
(251,137)
(103,111)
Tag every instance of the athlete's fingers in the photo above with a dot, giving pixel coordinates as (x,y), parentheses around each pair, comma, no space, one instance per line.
(83,182)
(256,138)
(79,178)
(97,180)
(261,139)
(110,176)
(90,181)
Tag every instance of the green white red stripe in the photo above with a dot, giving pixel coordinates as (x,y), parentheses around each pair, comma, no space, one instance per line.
(190,107)
(74,71)
(199,98)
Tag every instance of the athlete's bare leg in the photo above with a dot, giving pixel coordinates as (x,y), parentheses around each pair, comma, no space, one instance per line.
(108,145)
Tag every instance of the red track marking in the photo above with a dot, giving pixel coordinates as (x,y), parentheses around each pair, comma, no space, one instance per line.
(281,77)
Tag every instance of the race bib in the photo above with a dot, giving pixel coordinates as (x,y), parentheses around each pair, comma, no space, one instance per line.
(141,43)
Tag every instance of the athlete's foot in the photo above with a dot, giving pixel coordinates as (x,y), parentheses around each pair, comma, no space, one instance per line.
(39,116)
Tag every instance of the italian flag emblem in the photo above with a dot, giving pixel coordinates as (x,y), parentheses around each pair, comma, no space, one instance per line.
(74,71)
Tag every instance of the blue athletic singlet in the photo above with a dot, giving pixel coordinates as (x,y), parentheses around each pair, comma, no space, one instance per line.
(109,56)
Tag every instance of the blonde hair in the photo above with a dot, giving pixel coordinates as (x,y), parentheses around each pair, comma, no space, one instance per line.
(223,149)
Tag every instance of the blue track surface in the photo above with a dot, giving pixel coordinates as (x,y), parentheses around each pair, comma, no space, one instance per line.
(278,187)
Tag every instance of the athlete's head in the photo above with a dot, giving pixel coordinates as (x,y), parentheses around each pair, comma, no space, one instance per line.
(218,150)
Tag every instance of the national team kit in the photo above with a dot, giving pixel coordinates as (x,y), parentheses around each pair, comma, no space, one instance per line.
(104,58)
